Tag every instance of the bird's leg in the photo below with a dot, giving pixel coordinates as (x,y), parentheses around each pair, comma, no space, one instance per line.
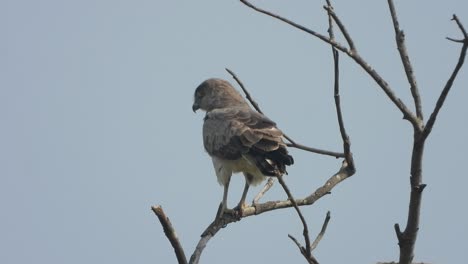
(223,206)
(240,206)
(244,195)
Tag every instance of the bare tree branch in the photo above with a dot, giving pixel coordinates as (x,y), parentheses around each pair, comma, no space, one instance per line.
(407,238)
(336,90)
(247,94)
(456,40)
(400,41)
(336,59)
(305,232)
(332,14)
(393,262)
(316,150)
(311,259)
(322,232)
(460,26)
(170,233)
(195,258)
(318,35)
(265,189)
(448,85)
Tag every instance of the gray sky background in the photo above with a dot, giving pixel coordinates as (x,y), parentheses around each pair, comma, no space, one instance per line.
(97,126)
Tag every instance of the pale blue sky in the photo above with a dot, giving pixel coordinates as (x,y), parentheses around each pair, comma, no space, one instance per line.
(97,126)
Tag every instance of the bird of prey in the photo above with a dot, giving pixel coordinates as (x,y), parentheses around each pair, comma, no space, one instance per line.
(238,138)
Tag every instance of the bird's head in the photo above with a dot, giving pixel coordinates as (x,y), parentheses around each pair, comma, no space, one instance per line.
(216,93)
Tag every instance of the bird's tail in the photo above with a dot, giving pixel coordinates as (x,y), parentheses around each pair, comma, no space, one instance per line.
(273,163)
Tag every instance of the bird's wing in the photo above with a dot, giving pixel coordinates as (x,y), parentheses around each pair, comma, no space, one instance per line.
(229,133)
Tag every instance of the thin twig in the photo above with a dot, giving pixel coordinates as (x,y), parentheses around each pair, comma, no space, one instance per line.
(336,87)
(322,232)
(460,25)
(293,143)
(400,41)
(247,94)
(318,35)
(329,8)
(265,189)
(456,40)
(311,259)
(170,233)
(316,150)
(301,248)
(449,84)
(301,216)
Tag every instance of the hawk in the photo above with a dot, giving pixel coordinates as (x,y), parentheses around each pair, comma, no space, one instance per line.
(238,138)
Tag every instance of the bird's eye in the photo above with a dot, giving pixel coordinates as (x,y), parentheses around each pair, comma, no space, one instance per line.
(199,94)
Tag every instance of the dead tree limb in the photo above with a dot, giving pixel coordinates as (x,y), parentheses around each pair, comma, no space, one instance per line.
(449,84)
(265,189)
(401,45)
(336,86)
(407,238)
(407,114)
(322,232)
(310,259)
(170,233)
(305,233)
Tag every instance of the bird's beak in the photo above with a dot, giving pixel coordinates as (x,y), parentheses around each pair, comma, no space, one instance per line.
(195,107)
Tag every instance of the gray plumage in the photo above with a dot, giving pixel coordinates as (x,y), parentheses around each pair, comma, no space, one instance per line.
(238,138)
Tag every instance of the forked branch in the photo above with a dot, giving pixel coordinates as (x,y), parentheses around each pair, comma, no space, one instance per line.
(285,20)
(449,84)
(407,238)
(336,83)
(352,53)
(308,254)
(401,45)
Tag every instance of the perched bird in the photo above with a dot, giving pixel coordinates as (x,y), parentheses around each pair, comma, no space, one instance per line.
(238,138)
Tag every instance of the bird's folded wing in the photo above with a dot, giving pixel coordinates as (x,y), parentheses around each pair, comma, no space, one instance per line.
(229,133)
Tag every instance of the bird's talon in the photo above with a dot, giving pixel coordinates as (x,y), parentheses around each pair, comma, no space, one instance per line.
(239,209)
